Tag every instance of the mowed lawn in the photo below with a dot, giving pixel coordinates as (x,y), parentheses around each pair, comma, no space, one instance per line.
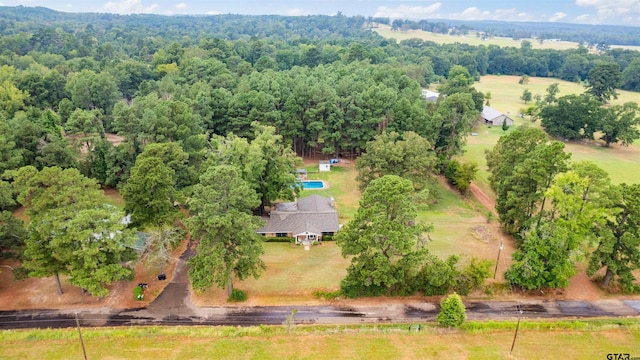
(314,342)
(293,274)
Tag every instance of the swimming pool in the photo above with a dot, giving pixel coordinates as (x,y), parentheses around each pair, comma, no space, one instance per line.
(312,184)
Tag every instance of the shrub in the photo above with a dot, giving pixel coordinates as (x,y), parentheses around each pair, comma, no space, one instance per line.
(137,293)
(279,239)
(452,311)
(20,273)
(473,275)
(326,295)
(437,277)
(237,296)
(460,175)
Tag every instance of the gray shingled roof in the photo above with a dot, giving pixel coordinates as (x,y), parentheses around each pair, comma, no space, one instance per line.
(489,113)
(313,214)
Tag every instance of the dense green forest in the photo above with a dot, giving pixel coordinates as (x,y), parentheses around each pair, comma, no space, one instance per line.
(225,99)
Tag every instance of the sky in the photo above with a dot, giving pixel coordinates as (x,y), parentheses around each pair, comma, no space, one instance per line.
(618,12)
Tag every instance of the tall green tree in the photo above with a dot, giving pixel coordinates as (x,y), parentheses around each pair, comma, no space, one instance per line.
(383,240)
(90,90)
(604,79)
(12,234)
(451,124)
(221,220)
(510,150)
(72,229)
(92,244)
(631,76)
(547,256)
(149,193)
(407,155)
(618,250)
(572,117)
(619,123)
(552,93)
(273,166)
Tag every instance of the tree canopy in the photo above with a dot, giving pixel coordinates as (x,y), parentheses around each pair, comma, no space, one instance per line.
(72,229)
(407,155)
(384,240)
(221,220)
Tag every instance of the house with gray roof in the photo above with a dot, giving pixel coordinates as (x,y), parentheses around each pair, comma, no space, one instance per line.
(494,117)
(430,96)
(306,220)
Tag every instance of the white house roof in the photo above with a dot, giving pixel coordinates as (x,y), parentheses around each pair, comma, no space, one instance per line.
(489,113)
(430,95)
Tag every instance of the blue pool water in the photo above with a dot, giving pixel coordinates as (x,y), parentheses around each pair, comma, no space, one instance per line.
(311,184)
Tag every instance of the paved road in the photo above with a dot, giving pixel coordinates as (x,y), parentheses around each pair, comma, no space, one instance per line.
(174,307)
(274,315)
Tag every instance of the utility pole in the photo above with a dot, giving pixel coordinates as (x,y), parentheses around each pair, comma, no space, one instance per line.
(498,260)
(84,352)
(516,333)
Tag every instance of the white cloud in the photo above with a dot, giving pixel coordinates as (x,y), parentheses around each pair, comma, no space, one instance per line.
(182,6)
(474,13)
(608,11)
(557,17)
(295,12)
(408,12)
(213,12)
(128,7)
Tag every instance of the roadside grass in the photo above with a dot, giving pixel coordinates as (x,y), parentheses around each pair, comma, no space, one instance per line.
(475,340)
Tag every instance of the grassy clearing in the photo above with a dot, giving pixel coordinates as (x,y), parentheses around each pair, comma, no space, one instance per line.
(506,92)
(621,163)
(473,39)
(536,340)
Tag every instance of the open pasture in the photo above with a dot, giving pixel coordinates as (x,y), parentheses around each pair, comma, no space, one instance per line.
(622,163)
(472,38)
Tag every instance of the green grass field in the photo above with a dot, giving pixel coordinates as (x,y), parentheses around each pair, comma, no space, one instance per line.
(536,340)
(622,163)
(473,39)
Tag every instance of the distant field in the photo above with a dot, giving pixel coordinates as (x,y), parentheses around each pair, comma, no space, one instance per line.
(470,39)
(536,340)
(622,163)
(473,39)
